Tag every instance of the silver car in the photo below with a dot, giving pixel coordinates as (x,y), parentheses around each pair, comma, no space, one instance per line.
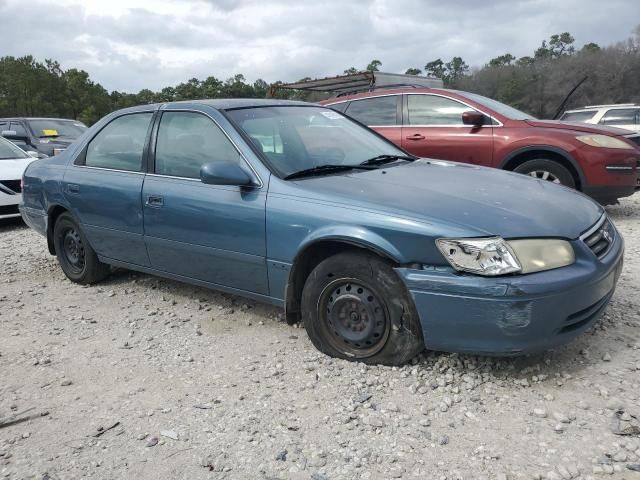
(623,115)
(13,161)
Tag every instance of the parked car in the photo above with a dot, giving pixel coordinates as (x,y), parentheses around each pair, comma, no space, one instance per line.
(47,136)
(624,115)
(13,161)
(454,125)
(379,253)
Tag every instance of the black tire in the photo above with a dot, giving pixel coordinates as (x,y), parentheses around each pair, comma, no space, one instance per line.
(549,170)
(355,307)
(77,259)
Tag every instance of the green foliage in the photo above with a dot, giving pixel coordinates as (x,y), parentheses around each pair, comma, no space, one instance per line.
(373,66)
(450,72)
(413,71)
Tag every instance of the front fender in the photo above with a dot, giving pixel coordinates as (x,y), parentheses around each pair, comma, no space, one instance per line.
(355,235)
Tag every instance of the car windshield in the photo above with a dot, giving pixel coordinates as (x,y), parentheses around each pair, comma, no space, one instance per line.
(57,128)
(8,150)
(296,138)
(496,106)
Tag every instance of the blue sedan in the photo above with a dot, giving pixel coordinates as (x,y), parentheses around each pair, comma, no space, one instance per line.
(379,254)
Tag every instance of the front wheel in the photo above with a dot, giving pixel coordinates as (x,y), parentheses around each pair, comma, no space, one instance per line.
(77,259)
(548,170)
(355,307)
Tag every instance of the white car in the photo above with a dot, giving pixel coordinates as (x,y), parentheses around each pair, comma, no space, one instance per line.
(623,115)
(13,161)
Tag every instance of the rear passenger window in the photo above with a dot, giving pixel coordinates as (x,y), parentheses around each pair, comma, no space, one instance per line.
(435,110)
(188,140)
(619,116)
(377,111)
(120,144)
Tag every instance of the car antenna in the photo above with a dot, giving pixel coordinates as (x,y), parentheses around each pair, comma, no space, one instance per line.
(566,99)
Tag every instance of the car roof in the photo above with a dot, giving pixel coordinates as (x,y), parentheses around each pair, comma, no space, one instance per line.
(231,103)
(595,108)
(40,118)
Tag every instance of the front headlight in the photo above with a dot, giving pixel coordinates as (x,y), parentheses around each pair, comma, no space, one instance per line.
(536,255)
(495,256)
(604,141)
(483,256)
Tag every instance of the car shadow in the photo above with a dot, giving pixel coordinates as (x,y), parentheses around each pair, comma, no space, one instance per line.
(183,292)
(10,224)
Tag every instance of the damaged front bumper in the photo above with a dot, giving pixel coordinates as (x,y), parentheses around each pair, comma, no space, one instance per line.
(516,314)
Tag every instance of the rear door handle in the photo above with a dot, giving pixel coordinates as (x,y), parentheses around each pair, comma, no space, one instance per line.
(416,136)
(73,188)
(154,201)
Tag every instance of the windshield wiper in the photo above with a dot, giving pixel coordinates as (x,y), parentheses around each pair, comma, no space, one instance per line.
(381,159)
(329,168)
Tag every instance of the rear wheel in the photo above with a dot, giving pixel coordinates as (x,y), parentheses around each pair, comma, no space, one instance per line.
(548,170)
(77,259)
(355,307)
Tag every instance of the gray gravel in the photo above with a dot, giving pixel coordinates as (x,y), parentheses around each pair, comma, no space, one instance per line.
(140,377)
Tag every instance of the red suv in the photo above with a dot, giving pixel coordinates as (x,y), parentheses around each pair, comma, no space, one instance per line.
(602,162)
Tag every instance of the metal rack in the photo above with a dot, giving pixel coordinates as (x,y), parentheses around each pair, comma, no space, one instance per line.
(359,82)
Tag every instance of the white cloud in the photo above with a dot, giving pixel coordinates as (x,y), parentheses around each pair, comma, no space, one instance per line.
(134,44)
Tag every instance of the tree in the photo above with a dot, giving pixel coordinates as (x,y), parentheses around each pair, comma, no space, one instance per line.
(450,72)
(351,71)
(413,71)
(435,68)
(456,69)
(502,60)
(373,65)
(590,48)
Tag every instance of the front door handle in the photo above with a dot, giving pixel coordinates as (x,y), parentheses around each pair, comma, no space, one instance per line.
(73,188)
(154,201)
(416,136)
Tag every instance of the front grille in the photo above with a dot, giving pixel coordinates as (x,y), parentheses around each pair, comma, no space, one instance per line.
(600,239)
(13,185)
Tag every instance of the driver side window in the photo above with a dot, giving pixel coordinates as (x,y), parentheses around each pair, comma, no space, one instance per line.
(435,110)
(188,140)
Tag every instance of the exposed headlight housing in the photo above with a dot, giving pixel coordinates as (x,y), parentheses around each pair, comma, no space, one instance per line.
(482,256)
(604,141)
(495,256)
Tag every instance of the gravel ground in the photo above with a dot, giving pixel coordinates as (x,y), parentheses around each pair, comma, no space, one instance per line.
(197,384)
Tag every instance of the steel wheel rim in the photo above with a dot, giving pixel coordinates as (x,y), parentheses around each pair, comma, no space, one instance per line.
(545,175)
(354,317)
(73,250)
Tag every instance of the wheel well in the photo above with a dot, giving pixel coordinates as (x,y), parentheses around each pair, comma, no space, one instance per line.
(54,213)
(519,159)
(304,264)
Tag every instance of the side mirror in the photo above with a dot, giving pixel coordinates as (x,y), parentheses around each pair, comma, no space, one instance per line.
(225,173)
(473,118)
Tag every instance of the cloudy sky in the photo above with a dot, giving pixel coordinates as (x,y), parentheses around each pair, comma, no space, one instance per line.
(133,44)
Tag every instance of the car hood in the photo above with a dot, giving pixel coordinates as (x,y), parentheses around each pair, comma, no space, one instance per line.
(476,201)
(578,127)
(12,169)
